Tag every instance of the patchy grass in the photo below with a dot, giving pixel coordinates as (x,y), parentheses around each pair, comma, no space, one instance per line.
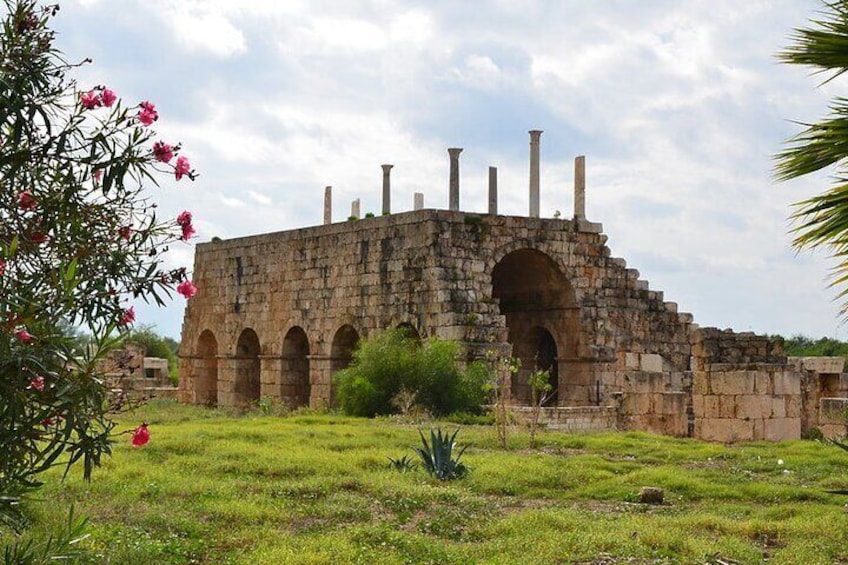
(222,487)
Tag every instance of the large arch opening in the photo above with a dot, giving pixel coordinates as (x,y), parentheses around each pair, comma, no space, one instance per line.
(537,351)
(341,353)
(206,370)
(248,369)
(294,388)
(542,319)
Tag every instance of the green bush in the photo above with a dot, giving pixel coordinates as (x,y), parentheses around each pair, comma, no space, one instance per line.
(392,362)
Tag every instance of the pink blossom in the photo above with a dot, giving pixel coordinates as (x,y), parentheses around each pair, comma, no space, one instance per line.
(24,336)
(37,383)
(188,231)
(98,174)
(124,232)
(90,100)
(107,97)
(184,219)
(2,267)
(26,200)
(148,114)
(128,317)
(187,289)
(163,152)
(183,167)
(141,435)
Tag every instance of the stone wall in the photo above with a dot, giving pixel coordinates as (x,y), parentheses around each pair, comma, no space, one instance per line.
(572,419)
(278,314)
(494,283)
(743,389)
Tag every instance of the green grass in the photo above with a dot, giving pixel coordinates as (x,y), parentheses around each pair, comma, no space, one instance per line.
(220,487)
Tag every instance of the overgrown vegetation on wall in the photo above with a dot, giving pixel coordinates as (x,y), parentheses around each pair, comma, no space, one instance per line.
(393,373)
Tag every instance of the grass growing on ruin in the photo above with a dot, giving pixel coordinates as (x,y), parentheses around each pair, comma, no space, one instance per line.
(218,488)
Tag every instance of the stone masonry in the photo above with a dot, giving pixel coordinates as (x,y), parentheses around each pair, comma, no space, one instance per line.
(278,314)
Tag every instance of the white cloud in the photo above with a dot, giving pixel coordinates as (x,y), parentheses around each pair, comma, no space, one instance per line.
(199,27)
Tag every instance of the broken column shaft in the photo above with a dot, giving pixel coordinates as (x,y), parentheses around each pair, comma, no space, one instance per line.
(453,200)
(580,187)
(493,191)
(387,191)
(535,134)
(328,205)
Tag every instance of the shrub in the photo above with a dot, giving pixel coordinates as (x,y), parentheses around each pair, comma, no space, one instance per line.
(393,365)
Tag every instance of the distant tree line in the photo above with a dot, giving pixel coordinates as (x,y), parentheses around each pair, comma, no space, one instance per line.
(803,346)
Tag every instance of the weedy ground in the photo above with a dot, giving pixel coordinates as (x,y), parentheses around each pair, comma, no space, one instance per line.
(225,488)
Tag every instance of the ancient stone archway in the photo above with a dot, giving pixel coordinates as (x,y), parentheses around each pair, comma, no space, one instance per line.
(206,370)
(539,305)
(247,378)
(294,388)
(341,353)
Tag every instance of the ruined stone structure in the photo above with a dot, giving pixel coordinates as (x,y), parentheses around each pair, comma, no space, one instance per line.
(131,371)
(278,314)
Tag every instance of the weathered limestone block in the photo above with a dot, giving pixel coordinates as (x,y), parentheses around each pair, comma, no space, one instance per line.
(821,365)
(781,429)
(651,362)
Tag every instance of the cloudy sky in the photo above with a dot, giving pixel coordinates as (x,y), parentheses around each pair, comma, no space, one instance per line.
(678,107)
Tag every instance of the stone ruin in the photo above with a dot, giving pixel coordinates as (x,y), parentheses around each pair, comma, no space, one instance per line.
(278,314)
(130,371)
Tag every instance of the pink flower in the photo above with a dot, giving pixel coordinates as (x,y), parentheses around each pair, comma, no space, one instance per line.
(183,167)
(188,231)
(107,97)
(141,435)
(98,174)
(37,383)
(2,267)
(184,219)
(163,152)
(148,114)
(90,100)
(38,237)
(187,289)
(125,232)
(26,200)
(128,317)
(24,336)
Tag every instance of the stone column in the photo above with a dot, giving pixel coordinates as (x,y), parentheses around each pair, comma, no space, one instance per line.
(580,187)
(354,208)
(418,201)
(453,200)
(270,370)
(320,381)
(535,134)
(328,205)
(493,191)
(387,192)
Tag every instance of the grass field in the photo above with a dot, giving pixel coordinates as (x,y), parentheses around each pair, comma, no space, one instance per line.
(213,487)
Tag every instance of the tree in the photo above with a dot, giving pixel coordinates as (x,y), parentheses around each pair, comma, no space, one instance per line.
(822,221)
(79,238)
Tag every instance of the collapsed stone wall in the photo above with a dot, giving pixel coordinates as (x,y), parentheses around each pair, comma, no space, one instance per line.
(743,388)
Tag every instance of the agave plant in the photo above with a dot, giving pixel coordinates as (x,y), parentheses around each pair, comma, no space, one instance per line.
(402,464)
(437,457)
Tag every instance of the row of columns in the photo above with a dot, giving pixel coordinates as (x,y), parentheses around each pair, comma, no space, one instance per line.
(453,186)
